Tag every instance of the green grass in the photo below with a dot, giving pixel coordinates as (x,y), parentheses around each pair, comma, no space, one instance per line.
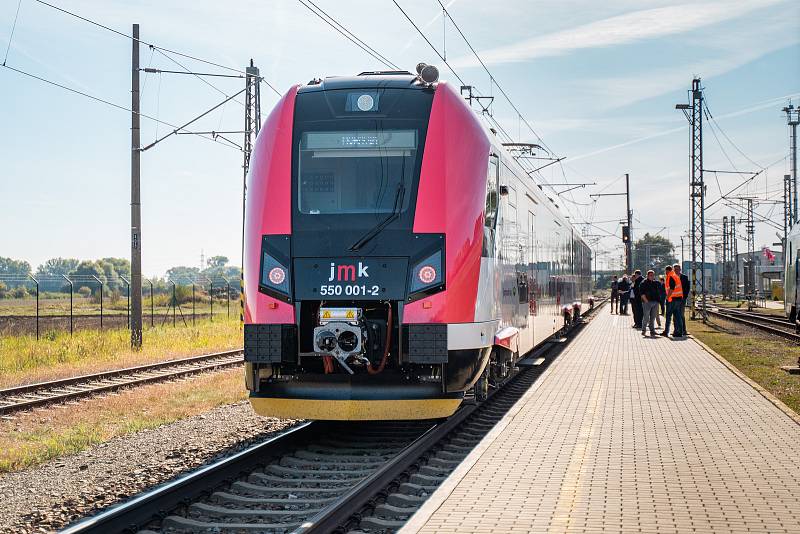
(57,354)
(758,356)
(59,305)
(36,437)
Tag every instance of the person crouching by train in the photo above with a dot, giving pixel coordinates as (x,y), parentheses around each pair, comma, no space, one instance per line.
(651,298)
(672,284)
(614,294)
(636,298)
(624,294)
(685,288)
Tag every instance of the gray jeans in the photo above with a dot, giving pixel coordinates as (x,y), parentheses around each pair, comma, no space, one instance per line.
(650,311)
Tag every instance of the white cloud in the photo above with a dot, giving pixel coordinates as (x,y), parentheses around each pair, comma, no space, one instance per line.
(622,29)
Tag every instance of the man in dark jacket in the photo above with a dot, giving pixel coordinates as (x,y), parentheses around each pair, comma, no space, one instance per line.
(682,309)
(650,295)
(636,303)
(624,294)
(614,295)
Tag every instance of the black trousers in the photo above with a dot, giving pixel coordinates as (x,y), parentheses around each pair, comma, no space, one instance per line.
(636,304)
(623,303)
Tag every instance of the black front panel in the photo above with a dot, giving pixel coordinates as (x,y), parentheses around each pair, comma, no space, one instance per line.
(356,167)
(269,343)
(370,278)
(426,343)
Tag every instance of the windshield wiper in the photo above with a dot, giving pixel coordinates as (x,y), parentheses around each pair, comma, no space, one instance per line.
(398,206)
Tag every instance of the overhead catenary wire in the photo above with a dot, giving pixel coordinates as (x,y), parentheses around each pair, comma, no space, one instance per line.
(347,34)
(107,102)
(492,79)
(161,48)
(11,36)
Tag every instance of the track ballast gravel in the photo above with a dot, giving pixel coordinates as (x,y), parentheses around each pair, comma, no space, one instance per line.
(55,494)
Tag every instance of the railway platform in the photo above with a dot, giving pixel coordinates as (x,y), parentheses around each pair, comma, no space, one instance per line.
(629,434)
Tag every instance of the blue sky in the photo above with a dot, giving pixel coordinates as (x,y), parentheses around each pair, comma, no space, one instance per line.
(598,81)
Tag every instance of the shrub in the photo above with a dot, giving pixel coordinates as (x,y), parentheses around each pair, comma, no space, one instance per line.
(19,292)
(84,291)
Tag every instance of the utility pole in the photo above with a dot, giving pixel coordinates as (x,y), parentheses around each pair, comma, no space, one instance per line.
(627,233)
(252,125)
(788,216)
(751,258)
(136,208)
(735,253)
(697,195)
(629,244)
(793,119)
(726,254)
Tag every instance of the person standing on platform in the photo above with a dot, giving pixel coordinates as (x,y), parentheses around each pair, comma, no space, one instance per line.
(672,284)
(636,299)
(686,288)
(624,294)
(651,297)
(662,299)
(614,294)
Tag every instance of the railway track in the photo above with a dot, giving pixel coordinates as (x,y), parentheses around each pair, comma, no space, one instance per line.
(35,395)
(761,322)
(322,476)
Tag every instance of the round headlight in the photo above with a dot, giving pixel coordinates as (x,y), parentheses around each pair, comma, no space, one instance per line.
(426,274)
(277,275)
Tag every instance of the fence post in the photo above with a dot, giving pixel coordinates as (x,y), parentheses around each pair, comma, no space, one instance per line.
(128,290)
(37,304)
(227,294)
(152,308)
(71,287)
(192,303)
(174,304)
(101,300)
(211,292)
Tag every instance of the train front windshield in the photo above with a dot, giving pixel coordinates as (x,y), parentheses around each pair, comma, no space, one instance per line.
(357,155)
(356,171)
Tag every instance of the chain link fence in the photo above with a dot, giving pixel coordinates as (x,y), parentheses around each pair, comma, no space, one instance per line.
(34,305)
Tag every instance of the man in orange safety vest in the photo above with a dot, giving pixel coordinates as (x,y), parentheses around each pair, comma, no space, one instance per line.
(672,284)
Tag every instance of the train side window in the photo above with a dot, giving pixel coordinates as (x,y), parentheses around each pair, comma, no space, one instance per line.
(492,195)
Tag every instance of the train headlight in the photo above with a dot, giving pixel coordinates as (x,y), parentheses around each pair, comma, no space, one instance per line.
(275,277)
(427,276)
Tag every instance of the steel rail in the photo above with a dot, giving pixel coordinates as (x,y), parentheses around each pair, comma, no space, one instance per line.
(759,326)
(47,392)
(143,508)
(340,512)
(156,503)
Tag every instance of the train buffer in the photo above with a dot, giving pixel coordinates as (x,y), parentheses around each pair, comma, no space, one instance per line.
(629,434)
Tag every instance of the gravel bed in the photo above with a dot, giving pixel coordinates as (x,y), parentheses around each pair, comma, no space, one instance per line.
(55,494)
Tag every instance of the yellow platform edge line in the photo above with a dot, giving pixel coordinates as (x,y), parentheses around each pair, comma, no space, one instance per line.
(354,410)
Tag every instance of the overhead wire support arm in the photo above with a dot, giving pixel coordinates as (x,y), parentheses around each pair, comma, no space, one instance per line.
(552,162)
(176,130)
(162,71)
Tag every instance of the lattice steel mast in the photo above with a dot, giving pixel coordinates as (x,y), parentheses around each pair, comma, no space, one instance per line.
(694,113)
(252,125)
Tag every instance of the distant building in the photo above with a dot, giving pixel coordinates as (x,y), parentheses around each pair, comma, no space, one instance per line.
(767,271)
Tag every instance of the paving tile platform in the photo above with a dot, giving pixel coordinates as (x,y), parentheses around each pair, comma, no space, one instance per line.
(628,434)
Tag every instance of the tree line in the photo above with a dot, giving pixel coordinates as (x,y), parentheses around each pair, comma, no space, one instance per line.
(15,281)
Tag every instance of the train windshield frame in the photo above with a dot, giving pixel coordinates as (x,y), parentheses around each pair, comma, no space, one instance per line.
(350,168)
(355,171)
